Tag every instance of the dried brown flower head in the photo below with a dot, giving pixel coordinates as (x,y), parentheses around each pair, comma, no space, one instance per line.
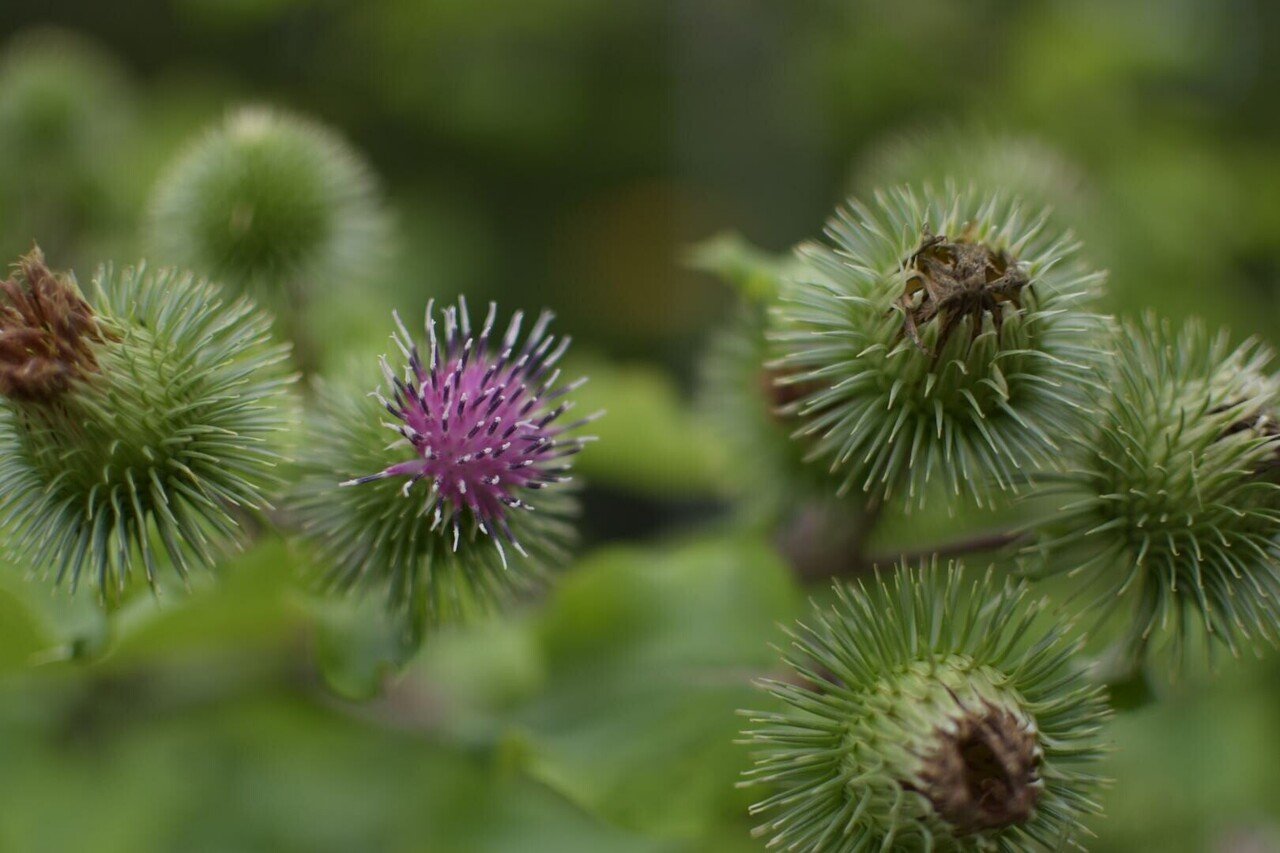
(956,279)
(47,332)
(985,772)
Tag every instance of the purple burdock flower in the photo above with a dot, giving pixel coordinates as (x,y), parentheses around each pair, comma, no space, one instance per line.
(481,420)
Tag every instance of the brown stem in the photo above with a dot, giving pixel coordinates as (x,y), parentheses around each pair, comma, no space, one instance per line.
(980,544)
(822,541)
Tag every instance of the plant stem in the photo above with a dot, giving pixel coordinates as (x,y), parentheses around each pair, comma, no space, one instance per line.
(826,540)
(980,544)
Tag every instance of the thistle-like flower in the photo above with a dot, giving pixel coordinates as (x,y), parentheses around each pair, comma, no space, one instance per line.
(470,503)
(926,713)
(942,336)
(135,425)
(1170,511)
(268,199)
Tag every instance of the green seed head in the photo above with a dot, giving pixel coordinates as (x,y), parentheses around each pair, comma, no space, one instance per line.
(268,199)
(924,713)
(136,425)
(1171,510)
(939,336)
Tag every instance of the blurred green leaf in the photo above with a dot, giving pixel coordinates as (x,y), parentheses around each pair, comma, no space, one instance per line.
(263,771)
(649,654)
(41,625)
(650,440)
(360,643)
(248,604)
(756,274)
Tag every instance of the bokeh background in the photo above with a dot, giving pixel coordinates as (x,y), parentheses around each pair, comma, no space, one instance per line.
(569,153)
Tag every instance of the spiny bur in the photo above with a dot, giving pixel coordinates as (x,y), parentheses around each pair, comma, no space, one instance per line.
(1170,511)
(926,712)
(138,425)
(470,503)
(938,337)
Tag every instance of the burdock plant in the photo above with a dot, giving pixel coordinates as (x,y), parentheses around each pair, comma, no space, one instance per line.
(269,201)
(925,712)
(1170,511)
(138,425)
(469,503)
(940,336)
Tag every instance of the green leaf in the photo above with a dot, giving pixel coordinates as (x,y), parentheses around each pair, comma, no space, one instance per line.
(756,274)
(38,625)
(649,654)
(360,642)
(650,440)
(158,763)
(246,603)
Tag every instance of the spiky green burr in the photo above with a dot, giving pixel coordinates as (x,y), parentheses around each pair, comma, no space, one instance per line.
(473,503)
(1170,512)
(138,426)
(269,200)
(926,712)
(937,337)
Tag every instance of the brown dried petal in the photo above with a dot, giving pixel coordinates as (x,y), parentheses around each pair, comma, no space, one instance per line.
(47,332)
(950,280)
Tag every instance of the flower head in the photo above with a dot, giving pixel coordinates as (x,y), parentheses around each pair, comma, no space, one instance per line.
(268,199)
(136,424)
(1170,510)
(483,424)
(943,337)
(926,713)
(483,455)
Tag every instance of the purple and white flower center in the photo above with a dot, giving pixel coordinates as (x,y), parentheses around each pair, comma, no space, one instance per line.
(482,425)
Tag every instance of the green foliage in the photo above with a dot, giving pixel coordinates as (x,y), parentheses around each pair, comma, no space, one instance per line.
(1170,511)
(883,681)
(269,767)
(620,692)
(159,453)
(271,201)
(986,393)
(650,442)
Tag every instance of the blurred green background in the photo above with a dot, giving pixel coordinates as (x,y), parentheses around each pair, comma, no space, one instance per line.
(567,153)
